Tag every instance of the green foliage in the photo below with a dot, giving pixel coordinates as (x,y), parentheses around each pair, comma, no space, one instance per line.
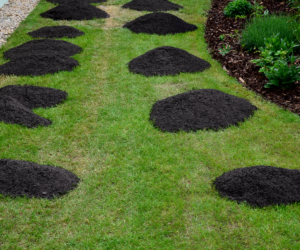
(274,61)
(282,75)
(295,4)
(258,10)
(259,28)
(222,37)
(238,8)
(226,49)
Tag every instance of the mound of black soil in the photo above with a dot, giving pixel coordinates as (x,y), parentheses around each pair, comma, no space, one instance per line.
(34,96)
(151,5)
(56,32)
(23,178)
(14,112)
(200,109)
(63,48)
(38,64)
(260,186)
(82,1)
(167,61)
(160,24)
(75,11)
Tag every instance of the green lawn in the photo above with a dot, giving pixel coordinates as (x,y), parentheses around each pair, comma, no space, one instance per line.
(142,188)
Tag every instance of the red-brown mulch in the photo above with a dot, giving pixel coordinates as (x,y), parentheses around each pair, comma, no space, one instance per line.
(237,61)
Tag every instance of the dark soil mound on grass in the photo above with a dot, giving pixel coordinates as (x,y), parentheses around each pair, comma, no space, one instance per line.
(82,1)
(63,48)
(56,32)
(151,5)
(22,178)
(37,65)
(260,186)
(167,61)
(200,109)
(75,11)
(14,112)
(34,96)
(159,23)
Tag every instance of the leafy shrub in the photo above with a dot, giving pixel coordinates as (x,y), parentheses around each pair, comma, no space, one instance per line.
(259,28)
(238,8)
(274,62)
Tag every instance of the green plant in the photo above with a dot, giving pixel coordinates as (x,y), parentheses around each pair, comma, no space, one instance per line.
(226,49)
(238,8)
(240,16)
(258,10)
(259,28)
(282,75)
(222,37)
(275,49)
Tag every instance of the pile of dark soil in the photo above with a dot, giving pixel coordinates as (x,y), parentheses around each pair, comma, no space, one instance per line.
(48,46)
(14,112)
(151,5)
(16,103)
(56,32)
(237,61)
(200,109)
(33,96)
(159,23)
(260,186)
(22,178)
(37,65)
(83,1)
(167,61)
(75,10)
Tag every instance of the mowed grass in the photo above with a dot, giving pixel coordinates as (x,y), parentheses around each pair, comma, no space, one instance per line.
(141,188)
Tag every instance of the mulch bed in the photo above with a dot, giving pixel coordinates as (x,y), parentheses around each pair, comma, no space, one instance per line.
(152,5)
(38,64)
(260,186)
(160,24)
(167,60)
(49,46)
(16,103)
(200,109)
(83,1)
(237,62)
(23,178)
(56,32)
(75,10)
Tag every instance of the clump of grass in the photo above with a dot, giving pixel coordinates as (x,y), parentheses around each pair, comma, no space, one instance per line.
(259,28)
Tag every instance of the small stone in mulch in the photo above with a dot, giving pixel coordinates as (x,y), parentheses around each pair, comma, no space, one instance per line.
(82,1)
(75,11)
(56,32)
(159,23)
(200,109)
(260,186)
(151,5)
(14,112)
(63,48)
(23,178)
(167,60)
(37,65)
(34,96)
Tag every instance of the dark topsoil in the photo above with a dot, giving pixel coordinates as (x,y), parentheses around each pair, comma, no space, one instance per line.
(237,62)
(16,103)
(63,48)
(75,10)
(260,186)
(22,178)
(151,5)
(56,32)
(159,23)
(167,60)
(38,64)
(200,109)
(83,1)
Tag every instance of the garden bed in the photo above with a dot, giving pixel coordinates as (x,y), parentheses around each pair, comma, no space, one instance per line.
(237,61)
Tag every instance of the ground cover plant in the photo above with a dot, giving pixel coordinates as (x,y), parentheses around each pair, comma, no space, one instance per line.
(141,188)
